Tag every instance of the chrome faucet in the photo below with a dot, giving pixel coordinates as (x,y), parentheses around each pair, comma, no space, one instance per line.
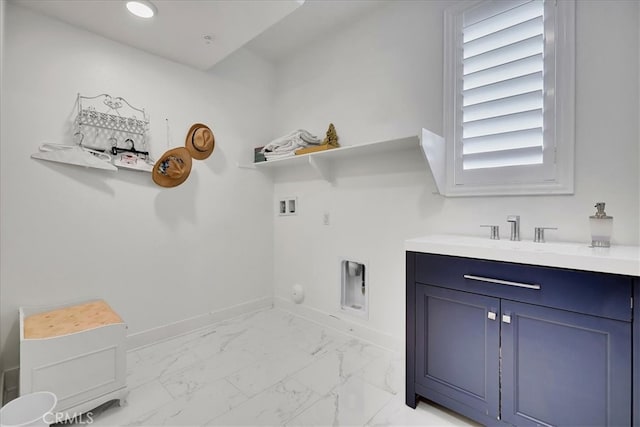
(515,226)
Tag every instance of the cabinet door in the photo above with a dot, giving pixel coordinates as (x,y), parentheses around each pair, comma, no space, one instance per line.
(636,353)
(457,345)
(564,368)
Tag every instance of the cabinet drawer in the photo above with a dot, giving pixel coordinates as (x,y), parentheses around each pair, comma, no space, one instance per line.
(597,294)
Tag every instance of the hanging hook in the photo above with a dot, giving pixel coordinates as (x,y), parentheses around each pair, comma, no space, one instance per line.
(81,137)
(115,150)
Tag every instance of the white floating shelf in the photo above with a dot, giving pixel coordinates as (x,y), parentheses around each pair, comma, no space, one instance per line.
(322,161)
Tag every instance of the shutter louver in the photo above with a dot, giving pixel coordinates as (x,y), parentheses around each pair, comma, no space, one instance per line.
(502,93)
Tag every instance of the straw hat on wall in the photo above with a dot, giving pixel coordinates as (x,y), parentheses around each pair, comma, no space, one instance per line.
(173,168)
(200,141)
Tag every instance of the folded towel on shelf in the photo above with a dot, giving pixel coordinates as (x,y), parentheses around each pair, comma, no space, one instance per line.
(287,146)
(305,135)
(289,143)
(309,138)
(276,156)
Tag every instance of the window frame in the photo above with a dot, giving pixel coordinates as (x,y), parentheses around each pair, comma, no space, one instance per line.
(556,175)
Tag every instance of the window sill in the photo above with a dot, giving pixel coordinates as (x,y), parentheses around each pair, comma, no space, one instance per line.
(434,149)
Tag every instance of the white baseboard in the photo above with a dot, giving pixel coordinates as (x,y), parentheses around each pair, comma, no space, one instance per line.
(342,324)
(181,327)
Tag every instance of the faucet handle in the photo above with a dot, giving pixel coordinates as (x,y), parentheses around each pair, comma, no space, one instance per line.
(495,231)
(538,233)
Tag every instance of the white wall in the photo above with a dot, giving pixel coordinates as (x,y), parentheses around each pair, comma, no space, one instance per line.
(382,78)
(2,23)
(2,7)
(156,255)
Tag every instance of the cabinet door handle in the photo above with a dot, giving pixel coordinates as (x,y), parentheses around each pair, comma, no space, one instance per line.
(501,282)
(491,315)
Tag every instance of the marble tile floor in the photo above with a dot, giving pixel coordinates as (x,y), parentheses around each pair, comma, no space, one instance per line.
(268,368)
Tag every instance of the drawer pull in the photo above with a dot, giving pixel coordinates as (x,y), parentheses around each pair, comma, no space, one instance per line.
(501,282)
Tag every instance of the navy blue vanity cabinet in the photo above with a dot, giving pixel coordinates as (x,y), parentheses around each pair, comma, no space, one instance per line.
(459,346)
(636,353)
(564,368)
(513,344)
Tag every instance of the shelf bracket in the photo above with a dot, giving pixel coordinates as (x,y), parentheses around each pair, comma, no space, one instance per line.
(322,169)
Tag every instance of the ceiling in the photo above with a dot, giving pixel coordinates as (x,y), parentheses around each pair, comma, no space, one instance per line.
(177,31)
(272,29)
(313,20)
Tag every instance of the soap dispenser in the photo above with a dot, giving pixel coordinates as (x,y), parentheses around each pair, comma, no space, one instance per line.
(601,227)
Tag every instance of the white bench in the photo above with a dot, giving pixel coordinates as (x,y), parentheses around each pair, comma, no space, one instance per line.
(76,351)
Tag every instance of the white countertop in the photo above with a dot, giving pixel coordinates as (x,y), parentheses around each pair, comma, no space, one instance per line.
(577,256)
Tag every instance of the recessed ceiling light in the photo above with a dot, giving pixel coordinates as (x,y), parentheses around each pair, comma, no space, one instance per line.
(141,8)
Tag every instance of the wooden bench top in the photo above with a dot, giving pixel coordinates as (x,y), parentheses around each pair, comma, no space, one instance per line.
(70,320)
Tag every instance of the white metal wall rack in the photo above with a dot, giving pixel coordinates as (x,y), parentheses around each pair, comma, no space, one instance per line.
(120,129)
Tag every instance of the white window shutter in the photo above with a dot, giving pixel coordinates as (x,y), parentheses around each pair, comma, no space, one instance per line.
(502,91)
(509,97)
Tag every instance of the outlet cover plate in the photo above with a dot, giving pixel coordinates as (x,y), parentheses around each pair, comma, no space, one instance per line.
(287,206)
